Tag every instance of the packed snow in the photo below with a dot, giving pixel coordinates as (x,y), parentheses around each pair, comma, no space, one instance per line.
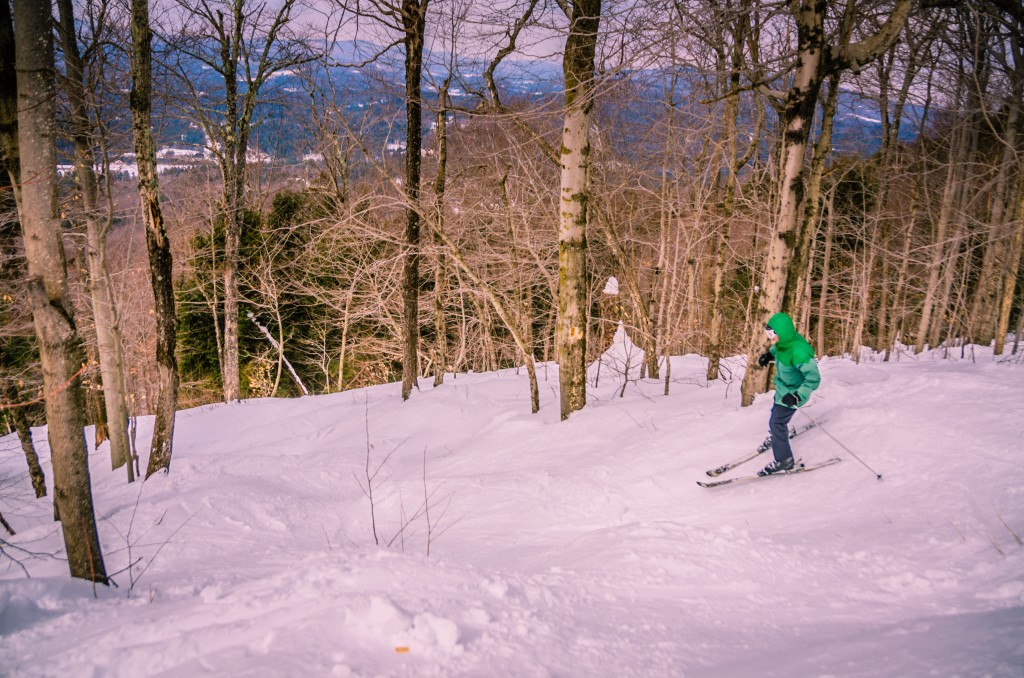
(576,548)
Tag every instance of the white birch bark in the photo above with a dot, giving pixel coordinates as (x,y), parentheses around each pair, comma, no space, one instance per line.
(571,326)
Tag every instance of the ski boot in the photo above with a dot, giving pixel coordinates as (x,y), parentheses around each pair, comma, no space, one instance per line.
(778,467)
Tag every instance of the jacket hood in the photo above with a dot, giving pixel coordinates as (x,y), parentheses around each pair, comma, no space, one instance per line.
(784,327)
(791,348)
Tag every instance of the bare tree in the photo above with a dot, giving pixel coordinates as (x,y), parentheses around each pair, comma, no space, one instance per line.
(406,19)
(724,29)
(574,213)
(505,312)
(971,74)
(1015,253)
(59,344)
(157,244)
(242,41)
(17,415)
(97,226)
(817,59)
(11,166)
(9,101)
(413,15)
(1004,125)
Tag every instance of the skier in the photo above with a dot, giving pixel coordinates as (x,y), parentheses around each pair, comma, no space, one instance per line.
(796,376)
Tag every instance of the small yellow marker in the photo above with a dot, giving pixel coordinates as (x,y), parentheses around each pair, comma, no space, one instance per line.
(401,649)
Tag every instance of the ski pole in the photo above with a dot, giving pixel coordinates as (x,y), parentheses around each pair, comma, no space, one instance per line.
(823,430)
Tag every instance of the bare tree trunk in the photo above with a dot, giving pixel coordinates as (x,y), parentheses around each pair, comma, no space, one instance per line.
(670,308)
(233,162)
(884,292)
(735,163)
(944,311)
(17,415)
(242,44)
(522,305)
(345,319)
(488,351)
(955,190)
(826,267)
(1009,275)
(440,270)
(985,311)
(95,410)
(158,246)
(864,295)
(60,347)
(959,197)
(571,329)
(11,164)
(1020,331)
(898,313)
(105,316)
(9,102)
(414,22)
(938,247)
(659,287)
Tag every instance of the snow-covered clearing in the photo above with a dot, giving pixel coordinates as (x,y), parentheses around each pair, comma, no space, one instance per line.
(578,548)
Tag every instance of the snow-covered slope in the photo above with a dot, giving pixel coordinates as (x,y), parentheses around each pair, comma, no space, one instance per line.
(578,548)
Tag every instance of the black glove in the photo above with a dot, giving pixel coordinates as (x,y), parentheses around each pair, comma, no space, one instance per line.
(765,359)
(791,400)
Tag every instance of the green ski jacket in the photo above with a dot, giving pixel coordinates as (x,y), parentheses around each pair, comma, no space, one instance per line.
(796,370)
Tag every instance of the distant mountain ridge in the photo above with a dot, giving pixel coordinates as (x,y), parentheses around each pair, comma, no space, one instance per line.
(371,94)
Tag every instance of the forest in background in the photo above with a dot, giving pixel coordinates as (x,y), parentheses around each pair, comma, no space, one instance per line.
(361,192)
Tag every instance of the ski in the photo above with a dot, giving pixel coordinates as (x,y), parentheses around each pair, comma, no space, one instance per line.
(762,448)
(800,468)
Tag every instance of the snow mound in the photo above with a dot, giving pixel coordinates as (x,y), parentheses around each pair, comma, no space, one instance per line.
(621,361)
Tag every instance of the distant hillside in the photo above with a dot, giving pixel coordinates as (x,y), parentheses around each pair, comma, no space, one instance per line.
(371,95)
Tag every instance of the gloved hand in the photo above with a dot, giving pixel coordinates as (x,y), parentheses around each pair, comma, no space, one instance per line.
(791,400)
(765,359)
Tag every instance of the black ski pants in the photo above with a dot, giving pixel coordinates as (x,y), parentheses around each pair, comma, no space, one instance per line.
(779,427)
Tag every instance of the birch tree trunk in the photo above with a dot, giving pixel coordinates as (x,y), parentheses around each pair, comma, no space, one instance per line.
(97,226)
(157,244)
(571,326)
(60,347)
(816,60)
(232,161)
(808,225)
(796,117)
